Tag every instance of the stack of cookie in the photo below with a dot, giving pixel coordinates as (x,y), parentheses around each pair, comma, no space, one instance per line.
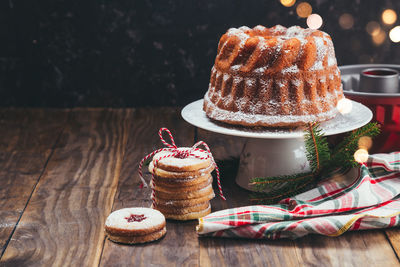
(182,186)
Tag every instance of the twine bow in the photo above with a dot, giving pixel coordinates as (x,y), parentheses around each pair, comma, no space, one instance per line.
(182,154)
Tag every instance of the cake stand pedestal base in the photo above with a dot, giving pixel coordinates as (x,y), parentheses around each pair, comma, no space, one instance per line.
(271,157)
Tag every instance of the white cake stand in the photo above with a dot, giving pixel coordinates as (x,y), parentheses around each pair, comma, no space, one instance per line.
(273,152)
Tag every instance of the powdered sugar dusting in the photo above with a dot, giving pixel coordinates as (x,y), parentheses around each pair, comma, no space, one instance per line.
(237,80)
(260,70)
(259,28)
(244,28)
(221,115)
(296,82)
(278,28)
(250,82)
(226,77)
(117,219)
(280,83)
(291,69)
(238,33)
(236,67)
(321,53)
(331,60)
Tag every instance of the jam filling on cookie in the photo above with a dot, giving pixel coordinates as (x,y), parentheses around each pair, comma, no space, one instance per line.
(135,218)
(182,154)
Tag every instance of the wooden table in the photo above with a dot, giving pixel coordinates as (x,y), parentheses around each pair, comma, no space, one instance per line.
(63,171)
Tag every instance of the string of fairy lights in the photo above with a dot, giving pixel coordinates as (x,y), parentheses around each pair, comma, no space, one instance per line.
(379,30)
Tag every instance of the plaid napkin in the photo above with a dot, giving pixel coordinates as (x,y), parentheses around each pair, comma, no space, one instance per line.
(370,200)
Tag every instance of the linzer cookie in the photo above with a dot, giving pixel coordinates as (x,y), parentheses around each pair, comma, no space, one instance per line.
(182,187)
(181,162)
(187,215)
(180,174)
(135,225)
(181,203)
(181,180)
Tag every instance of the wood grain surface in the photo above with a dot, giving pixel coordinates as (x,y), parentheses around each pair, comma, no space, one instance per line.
(27,137)
(393,235)
(63,223)
(63,171)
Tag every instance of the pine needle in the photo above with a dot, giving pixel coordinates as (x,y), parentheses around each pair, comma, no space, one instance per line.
(342,155)
(261,184)
(286,191)
(317,148)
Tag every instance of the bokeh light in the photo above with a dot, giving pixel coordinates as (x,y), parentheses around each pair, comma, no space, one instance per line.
(303,10)
(394,34)
(314,21)
(379,38)
(288,3)
(373,28)
(344,106)
(346,21)
(361,155)
(389,16)
(365,142)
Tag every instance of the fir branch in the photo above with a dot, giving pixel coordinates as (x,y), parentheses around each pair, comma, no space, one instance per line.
(260,184)
(312,132)
(285,191)
(317,148)
(342,155)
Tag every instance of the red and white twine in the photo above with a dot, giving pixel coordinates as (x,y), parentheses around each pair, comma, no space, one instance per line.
(176,153)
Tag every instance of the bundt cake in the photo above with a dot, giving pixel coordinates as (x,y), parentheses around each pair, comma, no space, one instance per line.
(273,77)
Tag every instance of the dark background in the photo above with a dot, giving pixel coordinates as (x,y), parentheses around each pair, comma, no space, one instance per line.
(122,53)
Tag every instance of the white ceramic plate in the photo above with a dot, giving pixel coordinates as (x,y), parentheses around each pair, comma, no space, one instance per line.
(358,117)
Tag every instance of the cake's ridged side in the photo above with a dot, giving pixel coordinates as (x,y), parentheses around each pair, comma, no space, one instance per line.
(226,85)
(296,95)
(322,85)
(265,95)
(237,92)
(281,93)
